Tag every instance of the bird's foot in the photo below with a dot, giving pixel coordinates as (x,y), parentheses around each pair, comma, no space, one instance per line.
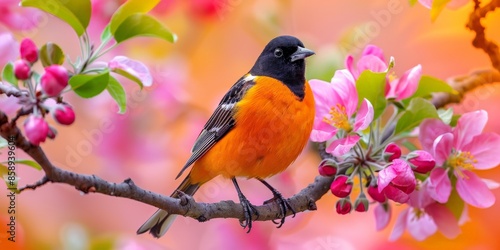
(248,210)
(284,207)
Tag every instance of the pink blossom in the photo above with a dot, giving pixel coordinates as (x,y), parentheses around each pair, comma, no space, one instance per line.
(392,151)
(376,195)
(372,59)
(64,114)
(382,215)
(421,161)
(132,67)
(22,69)
(29,51)
(17,17)
(341,186)
(36,129)
(405,86)
(397,181)
(425,217)
(9,48)
(54,80)
(459,150)
(336,109)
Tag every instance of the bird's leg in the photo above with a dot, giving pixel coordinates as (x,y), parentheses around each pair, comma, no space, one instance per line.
(282,203)
(248,208)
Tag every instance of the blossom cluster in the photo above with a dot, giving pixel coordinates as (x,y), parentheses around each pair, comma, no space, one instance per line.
(371,136)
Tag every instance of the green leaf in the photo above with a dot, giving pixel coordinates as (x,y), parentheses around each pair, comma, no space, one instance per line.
(74,13)
(8,74)
(413,2)
(129,8)
(142,25)
(30,163)
(3,142)
(454,120)
(429,85)
(455,203)
(445,115)
(437,7)
(116,91)
(409,145)
(88,86)
(106,34)
(11,183)
(129,76)
(418,110)
(51,53)
(371,85)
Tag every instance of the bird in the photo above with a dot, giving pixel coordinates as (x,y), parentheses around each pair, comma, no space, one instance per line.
(258,129)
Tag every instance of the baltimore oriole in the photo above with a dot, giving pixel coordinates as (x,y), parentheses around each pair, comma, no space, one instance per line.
(258,129)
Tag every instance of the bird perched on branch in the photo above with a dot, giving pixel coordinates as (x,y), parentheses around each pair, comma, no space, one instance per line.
(258,129)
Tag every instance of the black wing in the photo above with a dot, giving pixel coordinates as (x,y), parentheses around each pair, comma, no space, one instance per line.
(221,121)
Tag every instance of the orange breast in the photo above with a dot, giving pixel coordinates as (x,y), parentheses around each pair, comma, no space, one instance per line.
(272,128)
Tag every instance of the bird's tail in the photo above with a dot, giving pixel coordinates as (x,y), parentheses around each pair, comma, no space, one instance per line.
(161,220)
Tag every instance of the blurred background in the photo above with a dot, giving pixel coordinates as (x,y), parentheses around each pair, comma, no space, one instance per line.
(219,41)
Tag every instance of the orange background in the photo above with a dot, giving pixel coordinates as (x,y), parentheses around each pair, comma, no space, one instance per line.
(215,47)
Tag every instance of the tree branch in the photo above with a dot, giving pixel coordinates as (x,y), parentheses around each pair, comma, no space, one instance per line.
(480,41)
(186,205)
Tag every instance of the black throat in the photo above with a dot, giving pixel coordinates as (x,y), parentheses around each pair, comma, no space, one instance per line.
(292,76)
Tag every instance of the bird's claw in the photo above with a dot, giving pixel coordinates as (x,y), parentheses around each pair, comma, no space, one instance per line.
(248,210)
(284,206)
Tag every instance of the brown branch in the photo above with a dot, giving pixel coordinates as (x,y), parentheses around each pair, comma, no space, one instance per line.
(304,200)
(465,84)
(480,41)
(10,90)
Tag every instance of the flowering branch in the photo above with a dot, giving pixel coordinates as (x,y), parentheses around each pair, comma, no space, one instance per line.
(186,205)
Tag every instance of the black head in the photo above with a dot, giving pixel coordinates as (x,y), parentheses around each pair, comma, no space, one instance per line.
(283,59)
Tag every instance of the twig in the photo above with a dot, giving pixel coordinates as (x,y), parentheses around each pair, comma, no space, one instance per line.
(35,185)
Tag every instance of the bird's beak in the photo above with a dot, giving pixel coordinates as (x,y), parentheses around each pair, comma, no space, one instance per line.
(301,53)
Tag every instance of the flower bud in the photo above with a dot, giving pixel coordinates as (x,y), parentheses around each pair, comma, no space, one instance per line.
(421,161)
(64,114)
(22,69)
(361,204)
(327,168)
(54,80)
(397,181)
(343,206)
(52,133)
(29,51)
(391,152)
(376,195)
(341,186)
(36,129)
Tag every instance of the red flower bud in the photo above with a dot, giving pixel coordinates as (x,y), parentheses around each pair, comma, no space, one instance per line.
(376,195)
(341,186)
(421,161)
(327,168)
(64,114)
(391,152)
(361,204)
(36,129)
(29,51)
(22,70)
(343,206)
(54,80)
(52,133)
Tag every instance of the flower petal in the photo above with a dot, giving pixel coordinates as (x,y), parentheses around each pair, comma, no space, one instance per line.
(485,148)
(385,176)
(342,146)
(371,62)
(442,148)
(382,216)
(430,129)
(344,86)
(373,50)
(399,227)
(421,198)
(491,184)
(349,64)
(9,48)
(468,126)
(421,226)
(444,219)
(132,67)
(364,116)
(474,191)
(406,86)
(439,186)
(426,3)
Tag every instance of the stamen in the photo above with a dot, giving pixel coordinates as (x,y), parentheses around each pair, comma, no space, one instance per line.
(338,118)
(461,161)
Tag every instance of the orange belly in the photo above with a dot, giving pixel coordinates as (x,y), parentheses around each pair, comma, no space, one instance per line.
(267,137)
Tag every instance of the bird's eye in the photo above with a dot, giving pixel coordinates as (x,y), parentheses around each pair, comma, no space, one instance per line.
(278,52)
